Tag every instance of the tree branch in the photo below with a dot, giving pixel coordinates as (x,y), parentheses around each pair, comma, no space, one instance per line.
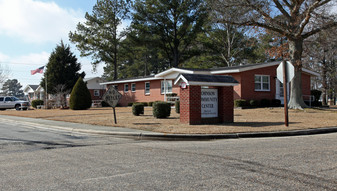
(279,6)
(308,34)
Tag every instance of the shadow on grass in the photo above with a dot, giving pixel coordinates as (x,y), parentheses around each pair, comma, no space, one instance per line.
(146,123)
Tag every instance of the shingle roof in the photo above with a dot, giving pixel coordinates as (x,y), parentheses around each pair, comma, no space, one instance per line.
(34,87)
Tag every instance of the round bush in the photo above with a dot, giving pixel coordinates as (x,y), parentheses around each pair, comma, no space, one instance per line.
(161,109)
(37,102)
(130,104)
(145,103)
(177,104)
(137,109)
(254,103)
(150,104)
(240,103)
(275,103)
(265,102)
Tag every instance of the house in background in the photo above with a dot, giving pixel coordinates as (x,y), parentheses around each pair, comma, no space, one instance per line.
(34,92)
(96,89)
(256,82)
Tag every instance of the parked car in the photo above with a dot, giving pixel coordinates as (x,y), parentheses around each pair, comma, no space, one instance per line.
(10,102)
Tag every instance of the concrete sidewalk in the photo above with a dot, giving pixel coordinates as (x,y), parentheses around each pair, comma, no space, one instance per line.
(140,134)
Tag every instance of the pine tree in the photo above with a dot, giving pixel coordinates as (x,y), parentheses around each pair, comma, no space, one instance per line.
(12,88)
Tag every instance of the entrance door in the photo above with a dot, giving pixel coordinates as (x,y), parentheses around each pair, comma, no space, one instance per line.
(279,91)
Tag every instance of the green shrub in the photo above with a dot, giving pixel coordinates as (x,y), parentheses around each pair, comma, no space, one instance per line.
(130,104)
(161,109)
(265,102)
(275,103)
(80,97)
(240,103)
(145,104)
(254,103)
(37,102)
(137,109)
(150,103)
(105,104)
(177,104)
(317,94)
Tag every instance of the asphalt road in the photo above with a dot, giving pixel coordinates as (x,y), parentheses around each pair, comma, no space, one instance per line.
(42,159)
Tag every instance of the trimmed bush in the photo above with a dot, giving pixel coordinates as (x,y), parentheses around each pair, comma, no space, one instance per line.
(275,103)
(161,109)
(80,97)
(37,102)
(150,104)
(145,104)
(130,104)
(240,103)
(137,109)
(105,104)
(177,104)
(265,102)
(254,103)
(317,94)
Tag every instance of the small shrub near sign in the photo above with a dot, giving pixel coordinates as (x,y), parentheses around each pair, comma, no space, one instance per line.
(254,103)
(240,103)
(265,102)
(161,109)
(275,103)
(137,109)
(37,102)
(177,105)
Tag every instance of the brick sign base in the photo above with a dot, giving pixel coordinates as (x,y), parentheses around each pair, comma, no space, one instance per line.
(190,106)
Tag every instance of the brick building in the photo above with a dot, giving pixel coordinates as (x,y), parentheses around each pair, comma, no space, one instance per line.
(256,82)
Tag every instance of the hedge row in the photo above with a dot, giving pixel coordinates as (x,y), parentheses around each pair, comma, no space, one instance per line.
(257,103)
(160,109)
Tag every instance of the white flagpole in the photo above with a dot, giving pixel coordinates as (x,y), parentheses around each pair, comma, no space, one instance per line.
(46,105)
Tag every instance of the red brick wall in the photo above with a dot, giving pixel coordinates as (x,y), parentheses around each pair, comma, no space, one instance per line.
(93,97)
(140,96)
(306,84)
(190,106)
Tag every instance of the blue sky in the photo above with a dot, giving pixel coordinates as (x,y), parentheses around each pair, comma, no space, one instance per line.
(30,31)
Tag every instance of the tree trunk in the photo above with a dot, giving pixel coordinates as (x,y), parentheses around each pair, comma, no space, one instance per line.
(296,98)
(324,81)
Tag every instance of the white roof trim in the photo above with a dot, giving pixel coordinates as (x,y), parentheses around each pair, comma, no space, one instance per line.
(246,68)
(164,73)
(131,80)
(311,72)
(181,77)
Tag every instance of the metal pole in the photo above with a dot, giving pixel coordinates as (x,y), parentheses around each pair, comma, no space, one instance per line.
(286,120)
(114,115)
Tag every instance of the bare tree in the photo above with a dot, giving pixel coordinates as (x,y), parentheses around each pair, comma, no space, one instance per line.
(61,95)
(295,20)
(4,73)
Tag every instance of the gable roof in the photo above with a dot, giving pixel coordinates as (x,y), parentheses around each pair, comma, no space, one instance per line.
(206,80)
(34,87)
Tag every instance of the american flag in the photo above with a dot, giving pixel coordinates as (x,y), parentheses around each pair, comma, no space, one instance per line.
(39,70)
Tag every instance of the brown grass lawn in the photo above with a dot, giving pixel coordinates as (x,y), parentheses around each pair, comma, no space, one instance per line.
(245,120)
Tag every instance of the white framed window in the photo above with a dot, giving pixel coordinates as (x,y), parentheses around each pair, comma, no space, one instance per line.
(147,88)
(126,87)
(262,83)
(167,86)
(96,92)
(133,87)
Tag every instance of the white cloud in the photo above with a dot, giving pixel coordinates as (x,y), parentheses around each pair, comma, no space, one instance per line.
(3,58)
(36,21)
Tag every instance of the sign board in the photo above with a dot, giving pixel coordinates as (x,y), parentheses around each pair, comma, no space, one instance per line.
(112,96)
(209,103)
(290,72)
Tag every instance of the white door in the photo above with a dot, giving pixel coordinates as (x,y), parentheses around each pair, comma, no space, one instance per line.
(279,91)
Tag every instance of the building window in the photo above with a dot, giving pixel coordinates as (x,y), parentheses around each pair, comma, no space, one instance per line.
(126,87)
(96,92)
(147,87)
(167,86)
(133,87)
(262,83)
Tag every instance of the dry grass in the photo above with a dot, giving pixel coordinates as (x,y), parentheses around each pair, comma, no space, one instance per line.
(247,120)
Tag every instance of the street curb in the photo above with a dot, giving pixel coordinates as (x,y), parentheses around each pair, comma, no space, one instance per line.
(187,137)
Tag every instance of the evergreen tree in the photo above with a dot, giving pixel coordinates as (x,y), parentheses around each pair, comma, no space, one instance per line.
(12,88)
(62,68)
(80,97)
(171,25)
(98,36)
